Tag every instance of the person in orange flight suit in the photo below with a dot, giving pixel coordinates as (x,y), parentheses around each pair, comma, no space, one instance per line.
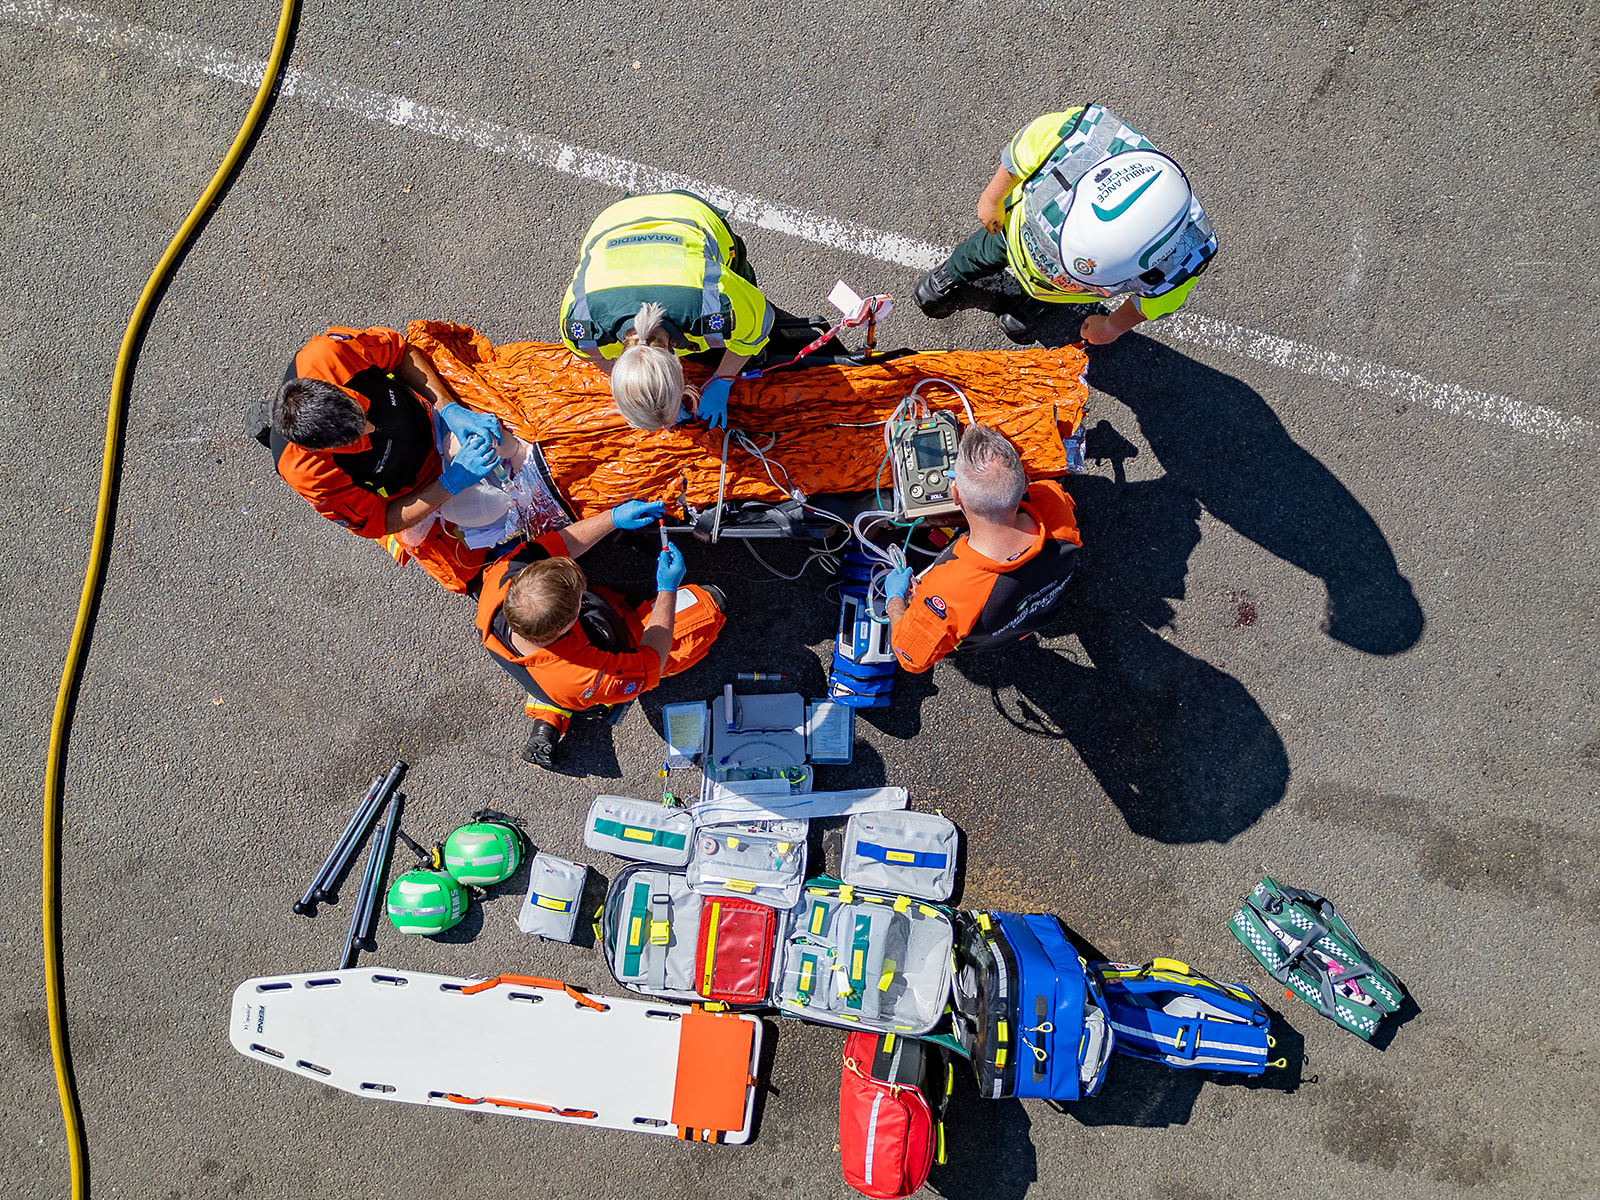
(352,430)
(1001,580)
(577,651)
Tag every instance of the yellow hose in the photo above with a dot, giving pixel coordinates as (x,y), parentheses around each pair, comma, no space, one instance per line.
(94,576)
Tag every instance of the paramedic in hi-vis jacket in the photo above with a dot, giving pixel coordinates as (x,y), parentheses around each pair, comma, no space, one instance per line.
(1002,579)
(660,277)
(578,651)
(352,430)
(1082,208)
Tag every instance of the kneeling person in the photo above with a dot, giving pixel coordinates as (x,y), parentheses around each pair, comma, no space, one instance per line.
(352,431)
(1001,580)
(660,277)
(577,650)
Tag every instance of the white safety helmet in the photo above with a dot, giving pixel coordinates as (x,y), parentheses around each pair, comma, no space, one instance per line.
(1123,216)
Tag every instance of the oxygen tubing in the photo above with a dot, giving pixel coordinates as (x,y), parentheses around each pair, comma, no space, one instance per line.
(94,577)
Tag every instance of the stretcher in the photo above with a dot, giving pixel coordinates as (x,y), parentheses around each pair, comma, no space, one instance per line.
(801,439)
(515,1045)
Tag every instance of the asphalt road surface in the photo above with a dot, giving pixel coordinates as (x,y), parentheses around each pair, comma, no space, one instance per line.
(1324,626)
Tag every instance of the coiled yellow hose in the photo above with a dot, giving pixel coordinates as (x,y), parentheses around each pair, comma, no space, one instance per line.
(94,576)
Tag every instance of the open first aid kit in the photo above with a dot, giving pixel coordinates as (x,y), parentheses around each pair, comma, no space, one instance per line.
(758,860)
(836,952)
(1166,1012)
(865,960)
(1029,1014)
(841,956)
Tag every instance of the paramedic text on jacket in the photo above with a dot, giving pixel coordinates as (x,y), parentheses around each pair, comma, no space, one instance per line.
(1001,580)
(352,430)
(1083,207)
(662,276)
(573,649)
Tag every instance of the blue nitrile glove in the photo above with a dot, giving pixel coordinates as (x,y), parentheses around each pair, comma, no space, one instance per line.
(669,569)
(714,401)
(472,462)
(465,423)
(637,514)
(898,582)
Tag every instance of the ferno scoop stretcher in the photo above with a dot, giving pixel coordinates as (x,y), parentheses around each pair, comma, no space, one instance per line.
(518,1045)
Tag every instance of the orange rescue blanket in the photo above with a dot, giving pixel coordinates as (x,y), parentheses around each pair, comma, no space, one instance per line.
(827,419)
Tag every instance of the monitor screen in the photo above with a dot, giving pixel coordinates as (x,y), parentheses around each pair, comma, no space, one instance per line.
(928,449)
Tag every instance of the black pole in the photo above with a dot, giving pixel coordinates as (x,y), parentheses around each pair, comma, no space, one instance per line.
(323,873)
(352,941)
(376,892)
(353,847)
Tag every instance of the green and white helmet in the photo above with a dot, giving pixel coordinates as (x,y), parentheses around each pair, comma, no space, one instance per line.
(1124,215)
(426,902)
(483,853)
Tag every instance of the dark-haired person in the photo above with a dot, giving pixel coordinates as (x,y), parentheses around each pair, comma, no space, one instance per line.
(353,432)
(577,650)
(1002,579)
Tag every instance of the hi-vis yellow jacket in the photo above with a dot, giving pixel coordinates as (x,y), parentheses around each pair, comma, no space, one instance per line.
(674,250)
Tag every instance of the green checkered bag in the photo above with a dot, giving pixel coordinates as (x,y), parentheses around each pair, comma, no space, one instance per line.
(1303,942)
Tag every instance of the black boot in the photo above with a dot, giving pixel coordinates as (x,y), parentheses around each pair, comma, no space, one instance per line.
(1018,319)
(933,289)
(544,741)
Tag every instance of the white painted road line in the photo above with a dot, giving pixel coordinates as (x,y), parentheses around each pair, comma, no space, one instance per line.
(109,33)
(1533,419)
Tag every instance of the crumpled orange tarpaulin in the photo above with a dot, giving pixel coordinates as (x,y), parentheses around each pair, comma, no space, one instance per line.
(828,419)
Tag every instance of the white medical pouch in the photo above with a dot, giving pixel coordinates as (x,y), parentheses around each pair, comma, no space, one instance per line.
(905,853)
(639,829)
(555,891)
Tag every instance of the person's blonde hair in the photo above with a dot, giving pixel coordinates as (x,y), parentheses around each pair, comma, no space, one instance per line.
(543,598)
(647,380)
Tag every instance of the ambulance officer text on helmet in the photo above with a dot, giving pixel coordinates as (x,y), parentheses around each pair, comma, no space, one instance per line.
(1083,207)
(659,277)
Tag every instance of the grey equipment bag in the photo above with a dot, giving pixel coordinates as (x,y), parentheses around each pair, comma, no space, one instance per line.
(555,889)
(764,861)
(863,960)
(640,830)
(649,931)
(907,853)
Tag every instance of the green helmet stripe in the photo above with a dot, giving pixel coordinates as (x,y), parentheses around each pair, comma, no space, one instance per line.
(1144,259)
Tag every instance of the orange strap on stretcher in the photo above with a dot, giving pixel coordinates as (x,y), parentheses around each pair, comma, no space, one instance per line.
(525,1104)
(534,981)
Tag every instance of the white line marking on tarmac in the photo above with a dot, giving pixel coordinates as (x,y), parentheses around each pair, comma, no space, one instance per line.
(108,33)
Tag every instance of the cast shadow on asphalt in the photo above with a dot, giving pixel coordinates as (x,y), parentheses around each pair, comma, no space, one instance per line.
(990,1150)
(1179,745)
